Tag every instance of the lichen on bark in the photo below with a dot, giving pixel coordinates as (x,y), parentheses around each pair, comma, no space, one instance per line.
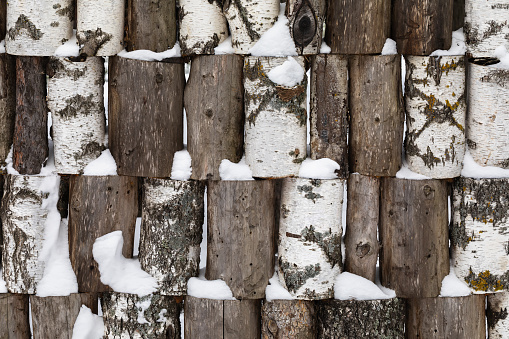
(486,281)
(329,242)
(91,41)
(24,23)
(296,277)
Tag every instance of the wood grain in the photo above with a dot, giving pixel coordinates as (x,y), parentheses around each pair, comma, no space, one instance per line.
(305,20)
(7,103)
(14,321)
(288,319)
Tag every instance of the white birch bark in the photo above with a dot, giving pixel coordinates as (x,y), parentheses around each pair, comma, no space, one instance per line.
(38,27)
(488,115)
(100,27)
(76,100)
(497,314)
(275,129)
(310,237)
(436,113)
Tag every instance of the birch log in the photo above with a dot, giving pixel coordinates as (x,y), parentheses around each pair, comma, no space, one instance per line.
(496,312)
(305,20)
(479,233)
(413,235)
(171,232)
(436,114)
(248,20)
(329,110)
(214,104)
(488,115)
(376,114)
(38,27)
(288,319)
(240,248)
(75,99)
(7,103)
(100,27)
(275,129)
(14,316)
(310,237)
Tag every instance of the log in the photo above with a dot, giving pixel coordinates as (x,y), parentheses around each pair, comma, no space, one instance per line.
(7,102)
(310,233)
(240,248)
(214,104)
(358,27)
(38,27)
(436,114)
(288,319)
(3,19)
(76,102)
(98,206)
(413,235)
(458,317)
(275,128)
(487,117)
(145,110)
(360,318)
(458,14)
(305,20)
(14,320)
(479,246)
(151,25)
(30,142)
(362,219)
(496,312)
(420,27)
(63,196)
(376,114)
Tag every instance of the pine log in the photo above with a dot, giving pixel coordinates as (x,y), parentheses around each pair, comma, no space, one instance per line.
(436,114)
(275,128)
(358,26)
(458,317)
(376,114)
(413,234)
(76,102)
(496,312)
(151,25)
(305,20)
(31,123)
(360,318)
(479,246)
(488,116)
(98,206)
(145,115)
(329,110)
(288,319)
(310,237)
(240,248)
(362,219)
(38,27)
(214,104)
(14,316)
(3,19)
(420,27)
(7,103)
(458,14)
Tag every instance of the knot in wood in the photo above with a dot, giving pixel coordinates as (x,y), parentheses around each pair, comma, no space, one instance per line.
(427,190)
(159,78)
(272,326)
(362,250)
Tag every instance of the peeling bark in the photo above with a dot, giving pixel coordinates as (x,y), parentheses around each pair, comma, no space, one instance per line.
(496,312)
(305,20)
(288,319)
(7,103)
(14,320)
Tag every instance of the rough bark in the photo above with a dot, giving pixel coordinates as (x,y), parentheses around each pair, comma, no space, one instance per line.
(145,115)
(420,27)
(361,318)
(358,26)
(14,321)
(275,128)
(3,19)
(98,206)
(459,317)
(329,110)
(310,237)
(7,102)
(240,248)
(214,105)
(305,20)
(376,115)
(458,14)
(288,319)
(413,234)
(31,123)
(496,312)
(436,113)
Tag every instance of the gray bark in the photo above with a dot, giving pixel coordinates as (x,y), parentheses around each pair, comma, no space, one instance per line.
(14,320)
(288,319)
(7,103)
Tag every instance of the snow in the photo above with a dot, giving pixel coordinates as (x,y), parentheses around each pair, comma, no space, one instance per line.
(121,274)
(452,286)
(142,306)
(70,48)
(503,55)
(3,287)
(471,169)
(181,169)
(2,46)
(276,291)
(458,46)
(199,287)
(88,325)
(350,286)
(147,55)
(324,48)
(137,231)
(389,47)
(406,173)
(235,171)
(319,169)
(103,165)
(289,74)
(225,47)
(387,291)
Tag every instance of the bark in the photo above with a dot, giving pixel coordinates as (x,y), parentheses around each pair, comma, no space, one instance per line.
(98,206)
(3,19)
(76,102)
(310,237)
(479,246)
(38,27)
(14,320)
(288,319)
(459,317)
(145,115)
(305,20)
(436,113)
(376,115)
(329,110)
(358,27)
(240,248)
(275,128)
(420,27)
(413,234)
(63,196)
(361,318)
(7,102)
(458,14)
(30,142)
(214,105)
(362,219)
(171,232)
(496,312)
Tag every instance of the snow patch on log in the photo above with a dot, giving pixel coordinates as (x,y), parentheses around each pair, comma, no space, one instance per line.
(70,48)
(275,290)
(289,74)
(147,55)
(199,287)
(104,165)
(324,168)
(458,46)
(350,286)
(235,171)
(181,168)
(471,169)
(452,286)
(496,312)
(390,47)
(88,325)
(225,47)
